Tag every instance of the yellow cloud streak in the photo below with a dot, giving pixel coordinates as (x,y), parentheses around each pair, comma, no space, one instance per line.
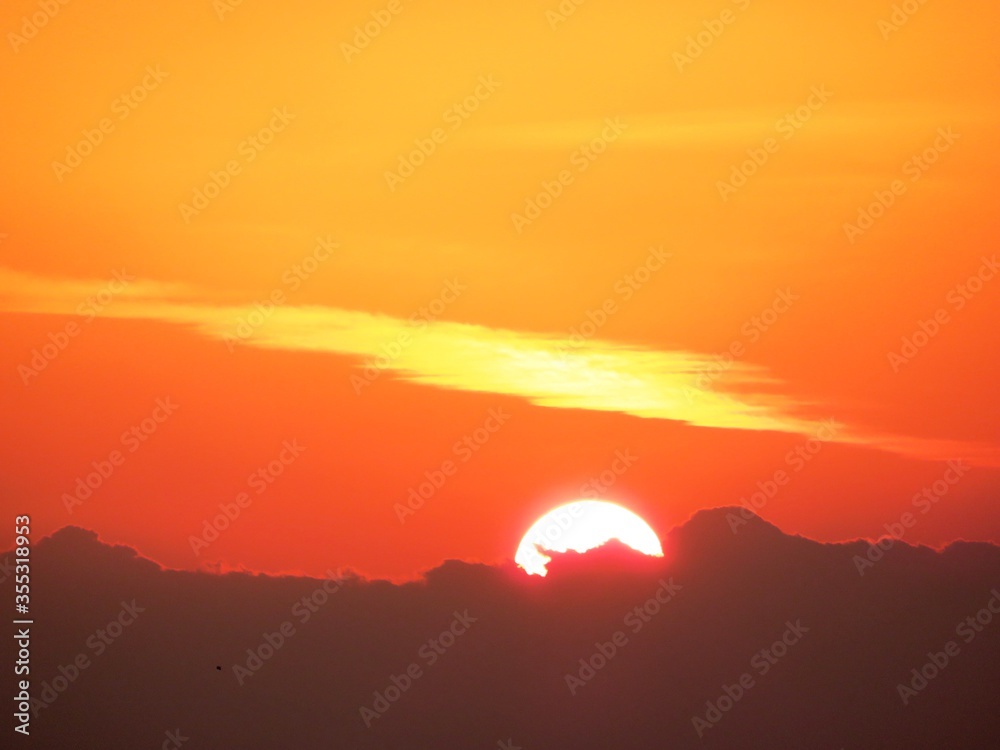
(548,370)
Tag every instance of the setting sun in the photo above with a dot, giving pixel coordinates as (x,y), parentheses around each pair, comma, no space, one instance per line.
(582,526)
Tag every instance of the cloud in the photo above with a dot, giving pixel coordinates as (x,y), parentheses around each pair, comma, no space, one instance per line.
(550,370)
(753,639)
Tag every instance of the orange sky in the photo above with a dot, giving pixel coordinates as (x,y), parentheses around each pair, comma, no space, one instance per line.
(488,209)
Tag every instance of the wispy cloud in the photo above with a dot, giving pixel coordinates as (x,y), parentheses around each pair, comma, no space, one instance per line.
(548,370)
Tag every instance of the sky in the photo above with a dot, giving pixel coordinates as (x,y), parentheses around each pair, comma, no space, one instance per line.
(297,287)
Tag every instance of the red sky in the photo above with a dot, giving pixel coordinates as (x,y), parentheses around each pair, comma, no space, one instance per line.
(387,199)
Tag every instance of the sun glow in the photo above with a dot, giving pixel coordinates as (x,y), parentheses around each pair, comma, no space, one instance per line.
(581,526)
